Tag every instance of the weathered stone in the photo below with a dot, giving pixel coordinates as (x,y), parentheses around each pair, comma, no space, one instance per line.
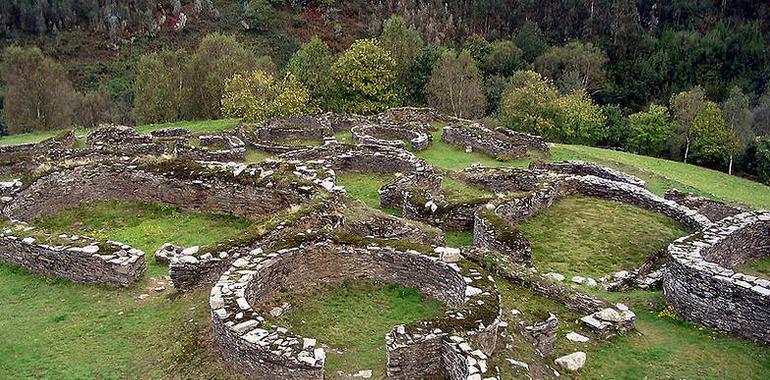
(572,362)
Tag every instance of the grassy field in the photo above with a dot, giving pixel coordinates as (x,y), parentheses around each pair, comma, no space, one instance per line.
(594,237)
(54,329)
(193,126)
(353,320)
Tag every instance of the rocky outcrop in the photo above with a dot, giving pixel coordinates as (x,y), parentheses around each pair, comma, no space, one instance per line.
(701,284)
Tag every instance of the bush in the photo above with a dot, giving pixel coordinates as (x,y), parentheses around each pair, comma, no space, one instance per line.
(649,130)
(529,105)
(580,120)
(763,159)
(365,75)
(257,96)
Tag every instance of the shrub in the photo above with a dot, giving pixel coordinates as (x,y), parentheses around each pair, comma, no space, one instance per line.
(528,105)
(649,130)
(763,159)
(580,120)
(365,75)
(257,96)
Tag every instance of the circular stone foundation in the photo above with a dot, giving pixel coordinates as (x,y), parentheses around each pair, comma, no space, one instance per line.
(454,346)
(701,284)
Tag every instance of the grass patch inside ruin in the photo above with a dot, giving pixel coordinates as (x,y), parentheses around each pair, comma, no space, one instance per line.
(759,267)
(144,226)
(352,320)
(458,192)
(594,237)
(453,157)
(365,186)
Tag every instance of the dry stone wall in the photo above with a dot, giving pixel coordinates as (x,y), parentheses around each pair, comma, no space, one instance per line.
(361,158)
(77,258)
(714,210)
(701,284)
(224,148)
(263,350)
(276,135)
(392,136)
(583,168)
(476,137)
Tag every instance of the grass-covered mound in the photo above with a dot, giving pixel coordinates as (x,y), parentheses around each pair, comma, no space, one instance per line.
(353,320)
(593,237)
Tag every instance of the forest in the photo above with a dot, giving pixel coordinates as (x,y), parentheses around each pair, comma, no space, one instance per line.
(685,80)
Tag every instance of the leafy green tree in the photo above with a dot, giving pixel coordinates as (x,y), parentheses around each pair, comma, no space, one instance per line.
(93,108)
(160,87)
(218,58)
(713,142)
(494,87)
(531,40)
(478,47)
(575,66)
(257,96)
(738,120)
(529,105)
(649,130)
(312,65)
(580,120)
(419,73)
(455,86)
(685,108)
(763,159)
(366,77)
(504,58)
(617,126)
(404,45)
(38,95)
(760,116)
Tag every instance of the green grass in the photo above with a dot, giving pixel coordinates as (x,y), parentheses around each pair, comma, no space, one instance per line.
(665,173)
(253,155)
(669,348)
(452,157)
(458,192)
(193,126)
(55,329)
(593,237)
(759,267)
(459,238)
(354,319)
(364,187)
(145,226)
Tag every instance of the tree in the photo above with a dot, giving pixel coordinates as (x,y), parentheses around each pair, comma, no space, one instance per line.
(574,66)
(760,116)
(404,44)
(312,65)
(649,130)
(478,47)
(738,120)
(530,40)
(685,107)
(257,96)
(580,120)
(93,108)
(160,87)
(494,87)
(712,141)
(366,76)
(38,95)
(617,126)
(529,105)
(455,86)
(763,159)
(419,73)
(218,58)
(504,58)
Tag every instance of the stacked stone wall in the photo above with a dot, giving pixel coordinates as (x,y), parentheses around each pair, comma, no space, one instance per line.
(500,238)
(588,168)
(481,139)
(391,136)
(521,138)
(262,350)
(701,289)
(714,210)
(362,158)
(79,259)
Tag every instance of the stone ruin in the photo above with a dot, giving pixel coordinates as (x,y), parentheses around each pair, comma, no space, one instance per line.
(307,232)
